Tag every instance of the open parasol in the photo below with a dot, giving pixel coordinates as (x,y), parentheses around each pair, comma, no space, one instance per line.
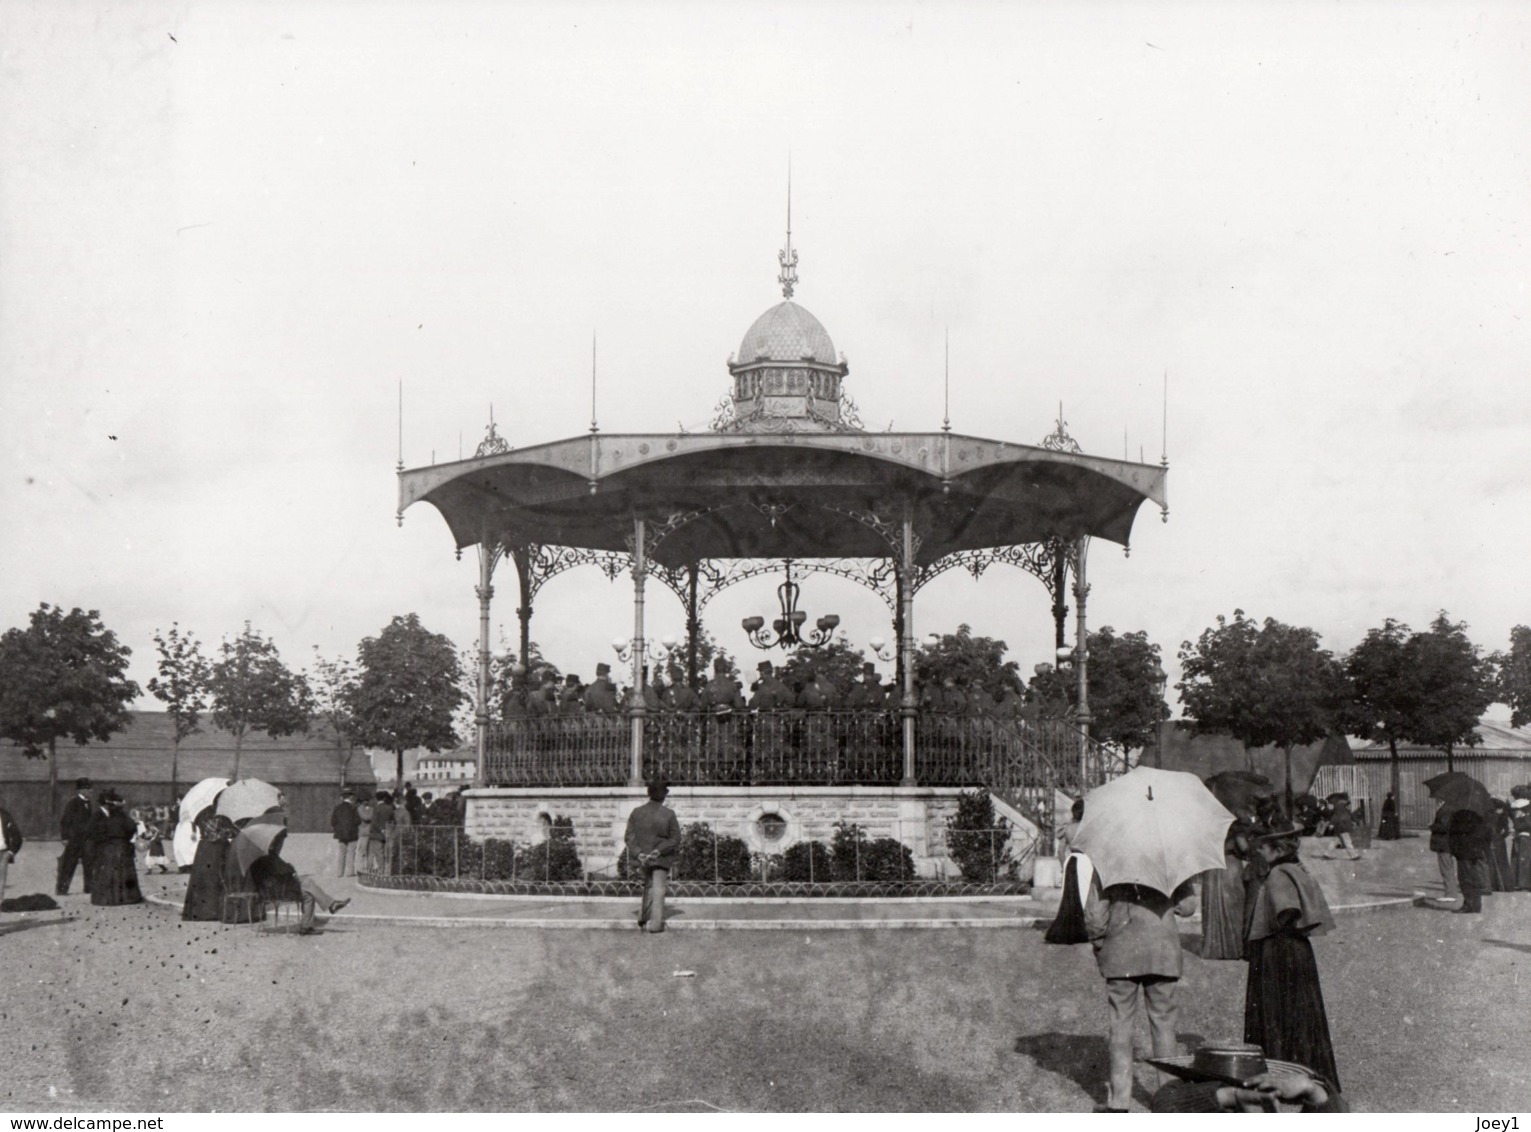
(1156,828)
(248,798)
(257,839)
(201,796)
(1461,792)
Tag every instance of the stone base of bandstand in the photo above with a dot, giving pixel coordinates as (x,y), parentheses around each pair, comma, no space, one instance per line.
(769,819)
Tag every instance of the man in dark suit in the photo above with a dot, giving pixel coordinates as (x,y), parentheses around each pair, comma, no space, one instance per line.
(653,836)
(74,824)
(345,823)
(10,845)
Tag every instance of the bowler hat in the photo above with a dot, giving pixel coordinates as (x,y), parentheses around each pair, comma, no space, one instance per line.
(1230,1062)
(83,784)
(602,668)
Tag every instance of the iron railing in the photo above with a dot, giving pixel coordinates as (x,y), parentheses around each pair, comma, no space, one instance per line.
(790,747)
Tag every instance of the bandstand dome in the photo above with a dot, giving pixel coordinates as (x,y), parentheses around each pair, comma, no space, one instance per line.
(786,333)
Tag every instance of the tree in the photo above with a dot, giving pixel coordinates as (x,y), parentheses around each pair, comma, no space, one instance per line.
(332,684)
(1384,689)
(1266,685)
(182,687)
(977,662)
(836,661)
(254,691)
(1126,707)
(410,684)
(1515,676)
(62,676)
(707,650)
(510,681)
(1456,685)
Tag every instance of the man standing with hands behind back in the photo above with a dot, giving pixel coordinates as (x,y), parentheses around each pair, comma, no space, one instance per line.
(653,836)
(73,824)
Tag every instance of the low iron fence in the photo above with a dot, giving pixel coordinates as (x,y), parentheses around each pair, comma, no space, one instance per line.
(997,854)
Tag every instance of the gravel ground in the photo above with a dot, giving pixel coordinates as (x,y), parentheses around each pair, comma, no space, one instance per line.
(128,1008)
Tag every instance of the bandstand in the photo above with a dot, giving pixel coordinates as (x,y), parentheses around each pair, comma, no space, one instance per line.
(786,478)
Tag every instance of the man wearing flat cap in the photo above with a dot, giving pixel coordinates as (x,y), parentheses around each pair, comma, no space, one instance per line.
(74,825)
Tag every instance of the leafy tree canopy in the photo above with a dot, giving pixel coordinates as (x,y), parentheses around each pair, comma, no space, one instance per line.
(1262,684)
(977,662)
(182,680)
(837,661)
(63,676)
(1515,676)
(410,684)
(1455,685)
(253,689)
(1384,686)
(1125,706)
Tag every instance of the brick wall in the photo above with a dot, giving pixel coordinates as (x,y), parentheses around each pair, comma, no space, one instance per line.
(915,816)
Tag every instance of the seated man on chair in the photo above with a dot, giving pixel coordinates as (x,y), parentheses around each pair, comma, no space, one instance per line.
(276,879)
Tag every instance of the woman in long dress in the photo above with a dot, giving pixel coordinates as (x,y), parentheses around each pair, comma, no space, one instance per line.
(1387,828)
(1520,857)
(1283,1002)
(204,887)
(1069,926)
(1222,898)
(114,875)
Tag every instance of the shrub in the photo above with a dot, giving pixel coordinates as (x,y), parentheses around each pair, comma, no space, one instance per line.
(708,856)
(854,856)
(978,839)
(555,859)
(806,861)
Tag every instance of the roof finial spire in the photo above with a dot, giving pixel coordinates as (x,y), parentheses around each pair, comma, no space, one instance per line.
(946,418)
(788,257)
(593,427)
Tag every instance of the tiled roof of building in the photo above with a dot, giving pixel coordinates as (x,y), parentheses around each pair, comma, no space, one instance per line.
(141,753)
(1498,738)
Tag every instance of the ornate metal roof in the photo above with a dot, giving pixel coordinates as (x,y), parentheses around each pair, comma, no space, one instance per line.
(786,333)
(800,495)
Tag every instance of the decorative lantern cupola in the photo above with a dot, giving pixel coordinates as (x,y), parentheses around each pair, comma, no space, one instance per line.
(786,377)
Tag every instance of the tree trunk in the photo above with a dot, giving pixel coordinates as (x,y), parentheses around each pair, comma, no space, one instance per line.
(398,773)
(1449,764)
(52,778)
(239,739)
(1290,808)
(1395,774)
(175,767)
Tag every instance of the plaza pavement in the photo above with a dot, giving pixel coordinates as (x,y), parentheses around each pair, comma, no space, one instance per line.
(132,1009)
(1387,874)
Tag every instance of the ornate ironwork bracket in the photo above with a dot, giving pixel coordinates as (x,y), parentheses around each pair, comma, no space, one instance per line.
(538,563)
(890,531)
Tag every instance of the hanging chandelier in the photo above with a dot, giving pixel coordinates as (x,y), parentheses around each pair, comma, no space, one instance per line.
(788,627)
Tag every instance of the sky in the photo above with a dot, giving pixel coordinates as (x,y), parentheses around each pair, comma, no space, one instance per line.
(229,232)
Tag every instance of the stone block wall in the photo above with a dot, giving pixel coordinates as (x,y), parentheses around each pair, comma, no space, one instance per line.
(916,816)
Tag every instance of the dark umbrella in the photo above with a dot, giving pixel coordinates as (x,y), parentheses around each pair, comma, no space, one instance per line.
(1461,792)
(1236,788)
